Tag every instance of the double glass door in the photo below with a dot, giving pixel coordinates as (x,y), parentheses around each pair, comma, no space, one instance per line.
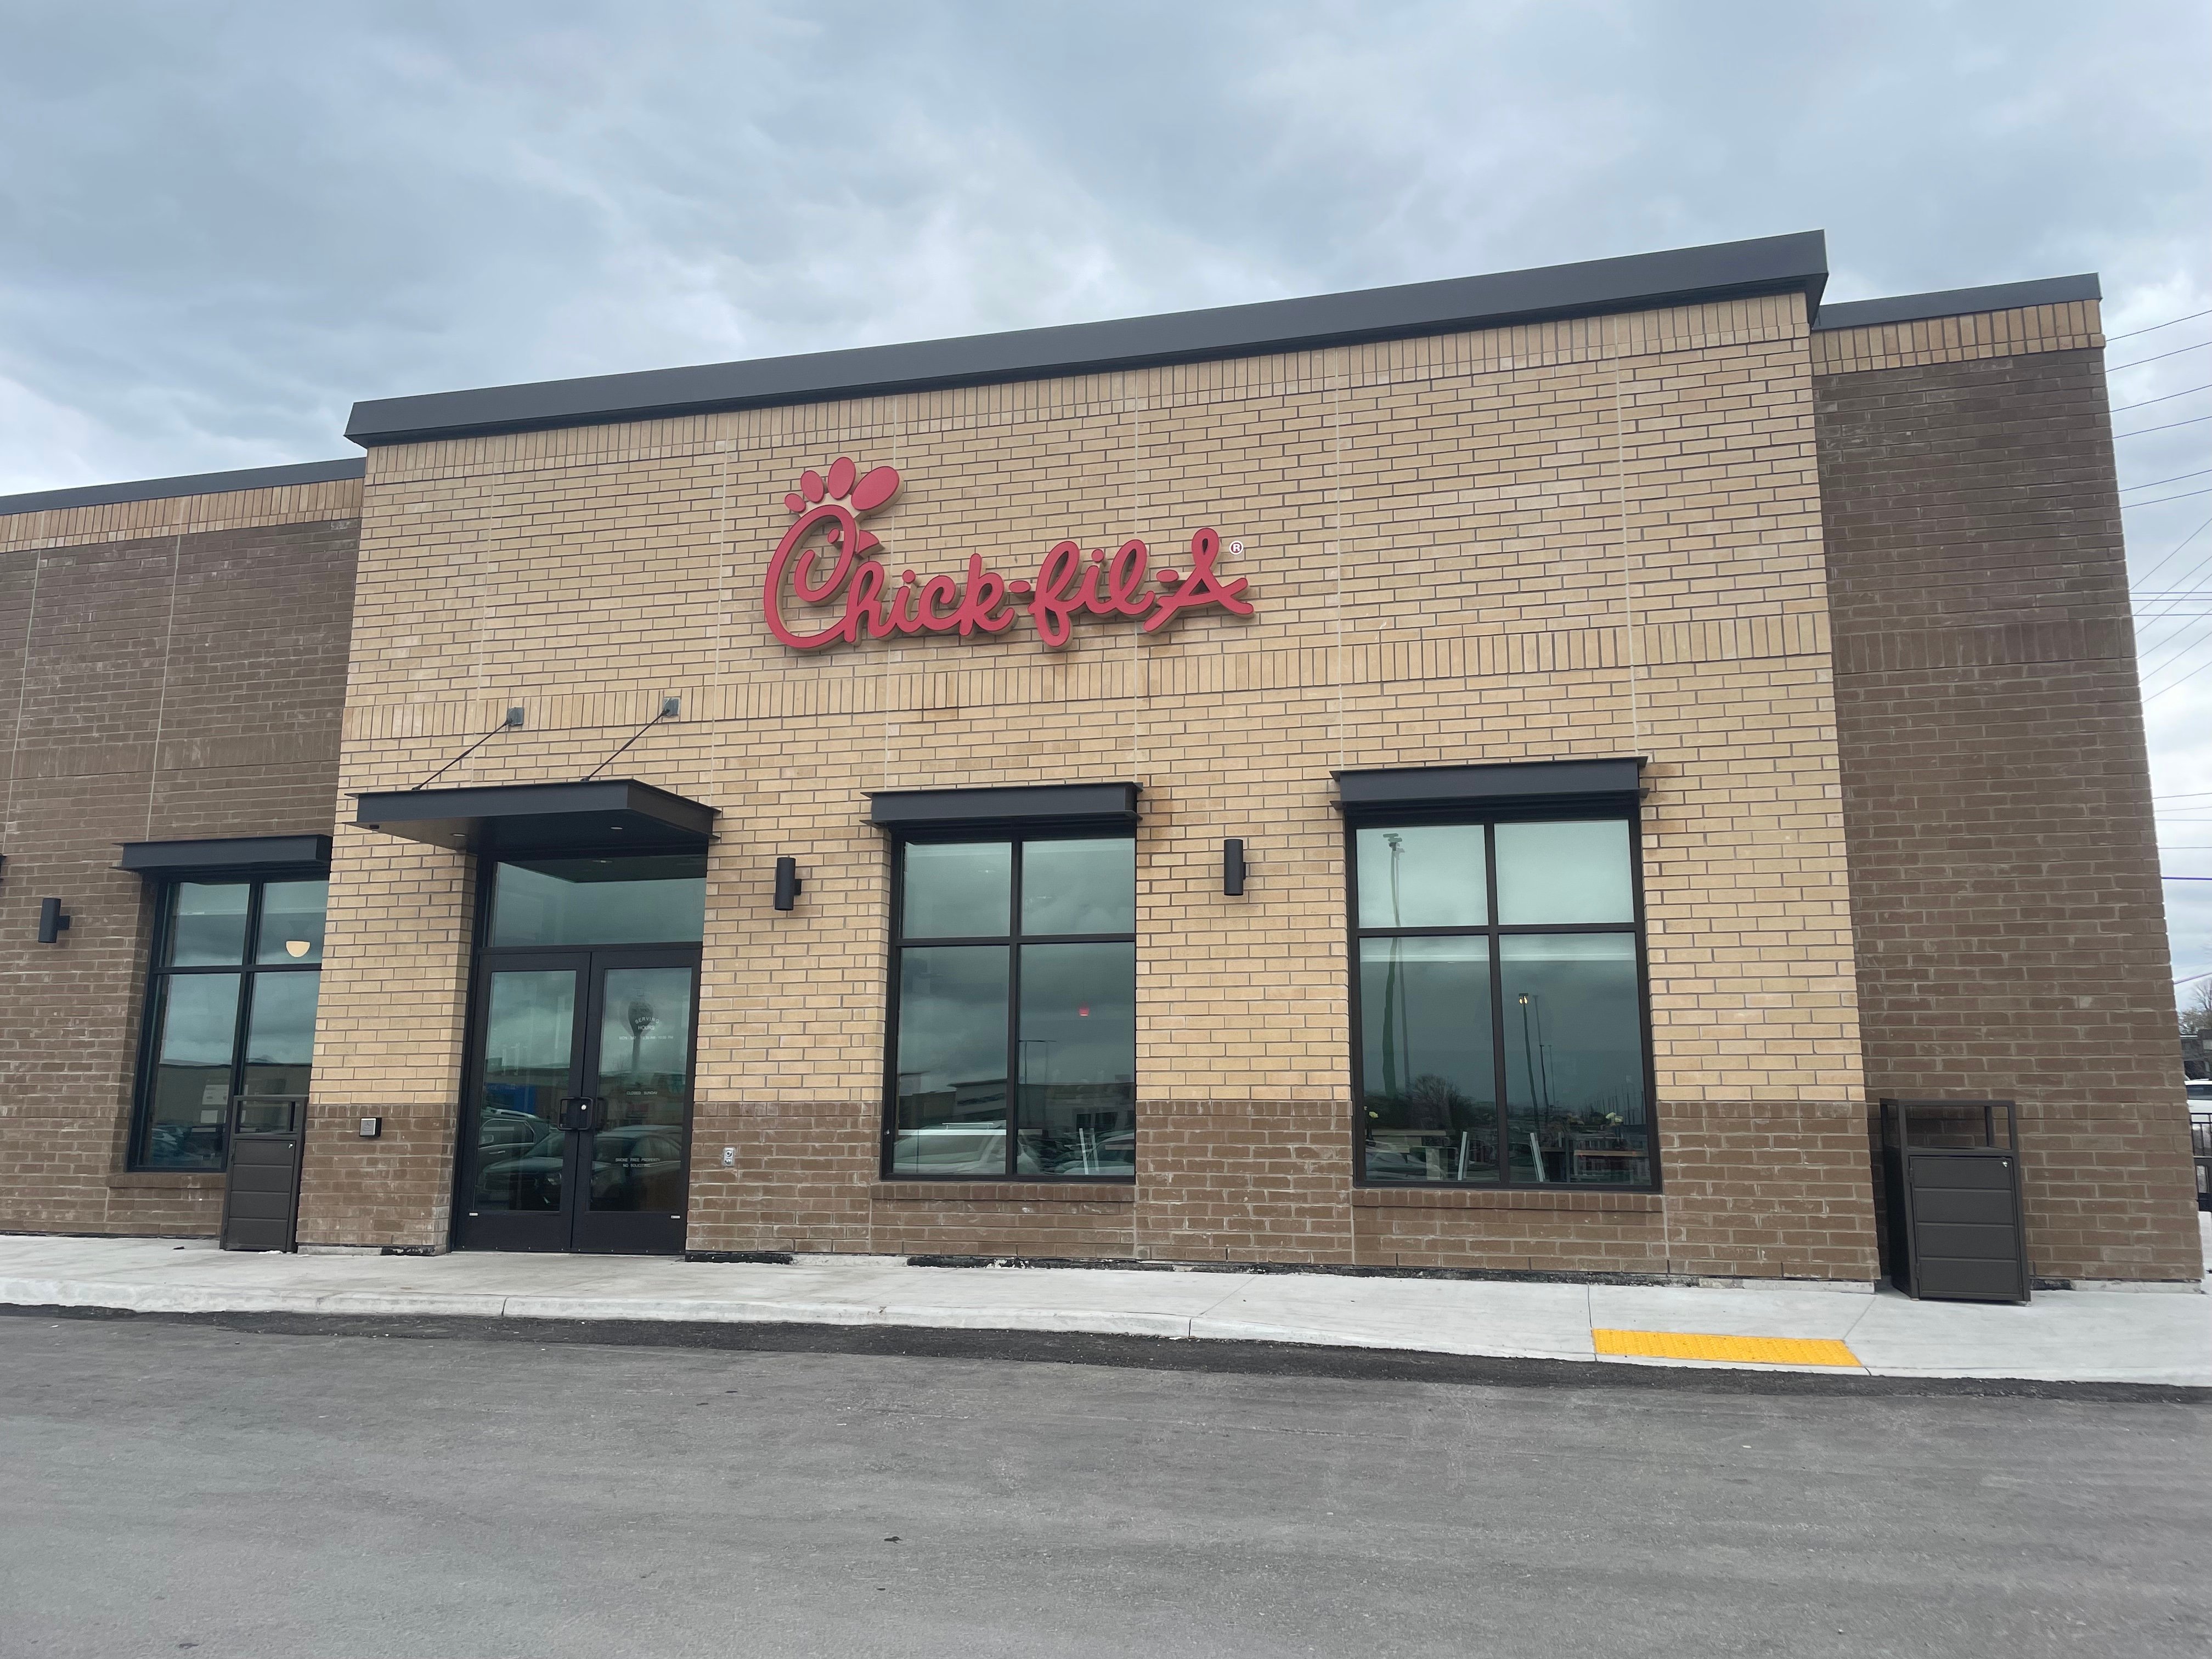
(580,1101)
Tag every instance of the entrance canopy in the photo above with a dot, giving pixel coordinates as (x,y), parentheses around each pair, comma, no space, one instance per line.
(526,819)
(274,858)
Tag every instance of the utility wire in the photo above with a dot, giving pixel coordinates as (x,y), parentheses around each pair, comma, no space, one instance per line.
(2175,685)
(2153,483)
(2169,558)
(2121,408)
(2161,358)
(2155,327)
(2144,432)
(2157,500)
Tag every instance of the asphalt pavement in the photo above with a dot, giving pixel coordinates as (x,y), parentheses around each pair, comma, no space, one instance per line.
(243,1489)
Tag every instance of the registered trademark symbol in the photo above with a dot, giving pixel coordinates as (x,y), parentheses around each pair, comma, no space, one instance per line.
(1235,547)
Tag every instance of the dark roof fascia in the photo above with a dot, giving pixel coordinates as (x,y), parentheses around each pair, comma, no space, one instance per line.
(199,483)
(1794,264)
(236,855)
(1043,806)
(1959,302)
(1508,784)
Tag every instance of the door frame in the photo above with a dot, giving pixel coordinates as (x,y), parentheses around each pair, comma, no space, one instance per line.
(575,1228)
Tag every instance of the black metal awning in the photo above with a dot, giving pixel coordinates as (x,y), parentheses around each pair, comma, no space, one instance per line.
(521,819)
(1040,806)
(1512,784)
(271,857)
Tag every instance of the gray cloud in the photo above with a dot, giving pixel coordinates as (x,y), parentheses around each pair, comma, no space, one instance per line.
(221,224)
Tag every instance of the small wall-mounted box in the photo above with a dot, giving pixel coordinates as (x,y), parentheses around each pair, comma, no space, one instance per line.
(371,1128)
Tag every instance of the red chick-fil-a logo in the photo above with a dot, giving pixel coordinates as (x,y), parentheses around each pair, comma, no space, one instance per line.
(1067,584)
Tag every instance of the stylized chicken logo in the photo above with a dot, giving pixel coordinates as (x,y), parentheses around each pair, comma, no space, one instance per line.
(845,486)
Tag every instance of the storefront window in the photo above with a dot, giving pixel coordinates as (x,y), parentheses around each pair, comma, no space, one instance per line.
(1507,1051)
(1016,964)
(230,1012)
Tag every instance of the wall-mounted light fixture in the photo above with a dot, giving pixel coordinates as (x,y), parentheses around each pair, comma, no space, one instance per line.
(53,921)
(788,883)
(1232,867)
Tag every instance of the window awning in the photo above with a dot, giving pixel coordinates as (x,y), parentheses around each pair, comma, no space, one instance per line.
(259,857)
(1508,785)
(1040,806)
(603,816)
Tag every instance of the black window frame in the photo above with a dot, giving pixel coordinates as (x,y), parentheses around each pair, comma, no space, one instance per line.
(156,1001)
(1558,811)
(1013,940)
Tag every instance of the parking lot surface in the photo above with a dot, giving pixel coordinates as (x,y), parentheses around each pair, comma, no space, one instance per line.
(173,1486)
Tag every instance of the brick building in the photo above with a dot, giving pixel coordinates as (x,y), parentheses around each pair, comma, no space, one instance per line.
(1497,774)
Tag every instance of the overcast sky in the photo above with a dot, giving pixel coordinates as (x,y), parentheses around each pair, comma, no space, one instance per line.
(221,224)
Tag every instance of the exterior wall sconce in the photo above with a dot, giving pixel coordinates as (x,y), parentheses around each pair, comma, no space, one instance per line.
(788,883)
(1232,867)
(53,921)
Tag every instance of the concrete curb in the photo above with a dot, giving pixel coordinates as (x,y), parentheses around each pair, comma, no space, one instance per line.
(1222,1356)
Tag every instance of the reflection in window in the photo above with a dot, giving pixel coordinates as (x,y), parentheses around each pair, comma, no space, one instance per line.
(230,1014)
(660,900)
(1510,1051)
(1048,1006)
(529,1044)
(1574,1058)
(1432,1094)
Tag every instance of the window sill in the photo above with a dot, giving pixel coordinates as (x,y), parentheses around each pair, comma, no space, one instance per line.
(190,1181)
(1499,1198)
(1003,1192)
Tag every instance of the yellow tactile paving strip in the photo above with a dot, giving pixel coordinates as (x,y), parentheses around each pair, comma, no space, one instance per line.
(1746,1350)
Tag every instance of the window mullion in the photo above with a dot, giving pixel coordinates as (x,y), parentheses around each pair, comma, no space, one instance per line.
(1014,1010)
(1504,1118)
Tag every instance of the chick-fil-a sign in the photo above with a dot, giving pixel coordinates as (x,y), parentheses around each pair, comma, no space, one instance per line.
(1067,584)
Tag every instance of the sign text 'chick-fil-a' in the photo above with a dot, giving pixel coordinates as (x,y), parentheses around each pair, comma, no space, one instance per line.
(1067,584)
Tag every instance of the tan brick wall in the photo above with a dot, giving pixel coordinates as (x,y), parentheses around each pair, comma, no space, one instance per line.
(2073,326)
(169,670)
(1445,571)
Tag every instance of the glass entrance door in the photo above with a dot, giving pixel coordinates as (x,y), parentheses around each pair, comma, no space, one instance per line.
(578,1127)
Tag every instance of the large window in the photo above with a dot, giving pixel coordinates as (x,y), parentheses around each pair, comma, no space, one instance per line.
(230,1012)
(1014,1018)
(1499,1005)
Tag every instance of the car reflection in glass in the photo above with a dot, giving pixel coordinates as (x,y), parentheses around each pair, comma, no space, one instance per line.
(636,1166)
(1084,1154)
(528,1182)
(639,1166)
(502,1130)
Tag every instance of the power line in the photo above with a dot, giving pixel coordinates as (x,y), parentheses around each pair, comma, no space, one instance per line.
(2121,408)
(2175,685)
(2157,500)
(2155,327)
(2153,483)
(2161,358)
(2141,432)
(2169,558)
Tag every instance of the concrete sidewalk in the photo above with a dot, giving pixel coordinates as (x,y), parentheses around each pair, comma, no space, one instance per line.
(2063,1336)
